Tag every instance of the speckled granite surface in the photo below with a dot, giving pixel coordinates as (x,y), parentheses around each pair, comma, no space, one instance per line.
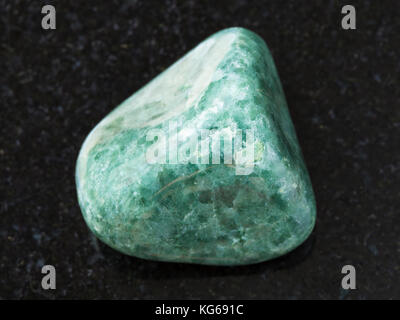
(342,89)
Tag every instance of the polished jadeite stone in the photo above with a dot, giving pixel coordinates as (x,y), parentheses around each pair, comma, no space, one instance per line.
(202,165)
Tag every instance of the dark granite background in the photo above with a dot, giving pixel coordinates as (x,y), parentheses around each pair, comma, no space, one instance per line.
(343,93)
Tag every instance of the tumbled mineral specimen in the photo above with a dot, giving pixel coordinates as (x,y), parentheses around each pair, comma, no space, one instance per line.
(202,165)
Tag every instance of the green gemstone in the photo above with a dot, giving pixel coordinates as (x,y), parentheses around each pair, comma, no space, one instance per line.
(202,165)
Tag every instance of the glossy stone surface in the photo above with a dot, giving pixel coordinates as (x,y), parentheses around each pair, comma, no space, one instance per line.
(186,210)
